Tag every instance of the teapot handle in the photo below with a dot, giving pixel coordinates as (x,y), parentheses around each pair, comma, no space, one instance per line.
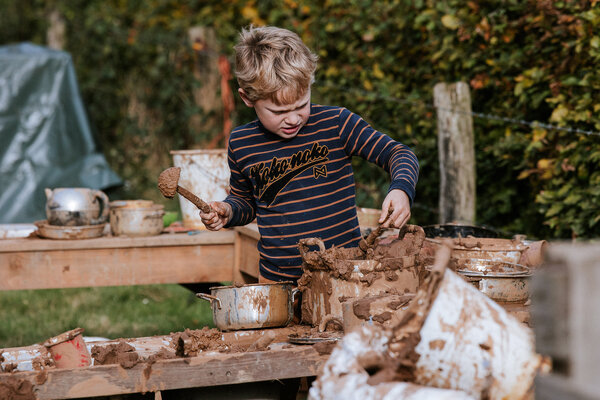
(104,208)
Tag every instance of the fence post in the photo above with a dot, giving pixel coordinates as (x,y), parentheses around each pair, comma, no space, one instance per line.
(456,152)
(55,35)
(206,72)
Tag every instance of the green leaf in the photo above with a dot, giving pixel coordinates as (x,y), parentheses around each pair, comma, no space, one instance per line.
(450,21)
(554,209)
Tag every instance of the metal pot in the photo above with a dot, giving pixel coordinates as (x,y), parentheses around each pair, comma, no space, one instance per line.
(458,230)
(251,306)
(76,206)
(500,281)
(136,218)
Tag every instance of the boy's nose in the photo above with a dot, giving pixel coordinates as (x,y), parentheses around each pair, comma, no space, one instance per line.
(293,119)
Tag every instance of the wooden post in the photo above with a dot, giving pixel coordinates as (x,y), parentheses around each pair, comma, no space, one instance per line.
(206,72)
(456,152)
(55,35)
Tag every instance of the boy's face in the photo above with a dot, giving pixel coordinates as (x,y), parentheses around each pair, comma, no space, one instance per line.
(284,120)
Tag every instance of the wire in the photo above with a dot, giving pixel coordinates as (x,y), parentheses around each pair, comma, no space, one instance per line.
(533,124)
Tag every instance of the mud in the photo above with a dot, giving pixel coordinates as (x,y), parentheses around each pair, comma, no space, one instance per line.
(41,377)
(382,250)
(406,334)
(190,342)
(17,389)
(10,367)
(168,181)
(162,354)
(324,347)
(42,363)
(262,343)
(368,242)
(120,353)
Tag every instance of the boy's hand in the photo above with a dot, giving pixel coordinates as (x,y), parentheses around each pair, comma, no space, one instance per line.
(217,218)
(398,200)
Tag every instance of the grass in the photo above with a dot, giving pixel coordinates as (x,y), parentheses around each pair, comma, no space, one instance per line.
(32,316)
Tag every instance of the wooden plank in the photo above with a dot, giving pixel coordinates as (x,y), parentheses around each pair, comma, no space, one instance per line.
(248,262)
(115,242)
(241,252)
(116,266)
(250,230)
(565,317)
(149,345)
(207,369)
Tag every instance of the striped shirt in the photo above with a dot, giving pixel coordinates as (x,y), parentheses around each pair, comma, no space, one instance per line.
(304,187)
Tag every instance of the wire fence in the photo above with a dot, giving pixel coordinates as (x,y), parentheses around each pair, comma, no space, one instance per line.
(480,115)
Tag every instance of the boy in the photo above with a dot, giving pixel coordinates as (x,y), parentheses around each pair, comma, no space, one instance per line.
(291,167)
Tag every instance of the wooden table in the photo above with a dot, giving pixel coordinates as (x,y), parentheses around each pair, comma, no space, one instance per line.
(207,369)
(35,263)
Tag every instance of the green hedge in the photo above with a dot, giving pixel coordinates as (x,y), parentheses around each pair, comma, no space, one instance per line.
(533,61)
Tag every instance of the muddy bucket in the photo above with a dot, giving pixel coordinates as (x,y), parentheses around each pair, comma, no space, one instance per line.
(332,276)
(384,310)
(206,174)
(470,343)
(325,293)
(68,350)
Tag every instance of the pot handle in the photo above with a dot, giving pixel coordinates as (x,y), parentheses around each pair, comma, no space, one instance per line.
(304,243)
(104,207)
(330,318)
(295,291)
(209,298)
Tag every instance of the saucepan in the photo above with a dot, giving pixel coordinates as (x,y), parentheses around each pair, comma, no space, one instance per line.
(251,306)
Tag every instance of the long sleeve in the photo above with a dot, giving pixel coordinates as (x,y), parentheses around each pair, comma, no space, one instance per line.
(240,198)
(360,139)
(304,187)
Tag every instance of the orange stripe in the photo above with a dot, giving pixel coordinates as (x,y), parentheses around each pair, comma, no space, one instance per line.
(315,197)
(373,147)
(356,142)
(312,220)
(311,232)
(302,189)
(324,239)
(320,120)
(306,210)
(382,150)
(282,148)
(281,274)
(367,140)
(351,132)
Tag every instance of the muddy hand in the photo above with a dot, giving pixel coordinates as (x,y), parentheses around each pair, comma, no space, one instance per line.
(398,201)
(218,217)
(367,242)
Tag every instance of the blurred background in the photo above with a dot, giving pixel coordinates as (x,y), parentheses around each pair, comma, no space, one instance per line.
(148,87)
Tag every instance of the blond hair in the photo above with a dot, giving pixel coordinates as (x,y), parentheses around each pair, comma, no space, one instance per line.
(273,63)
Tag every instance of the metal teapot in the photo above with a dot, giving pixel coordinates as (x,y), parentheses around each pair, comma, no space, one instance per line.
(76,206)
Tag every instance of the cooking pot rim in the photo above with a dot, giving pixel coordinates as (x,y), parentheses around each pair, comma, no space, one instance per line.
(283,283)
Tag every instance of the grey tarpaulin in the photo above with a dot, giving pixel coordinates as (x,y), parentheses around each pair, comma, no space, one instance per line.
(45,137)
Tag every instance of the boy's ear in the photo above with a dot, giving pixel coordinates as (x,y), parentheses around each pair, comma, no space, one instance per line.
(245,98)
